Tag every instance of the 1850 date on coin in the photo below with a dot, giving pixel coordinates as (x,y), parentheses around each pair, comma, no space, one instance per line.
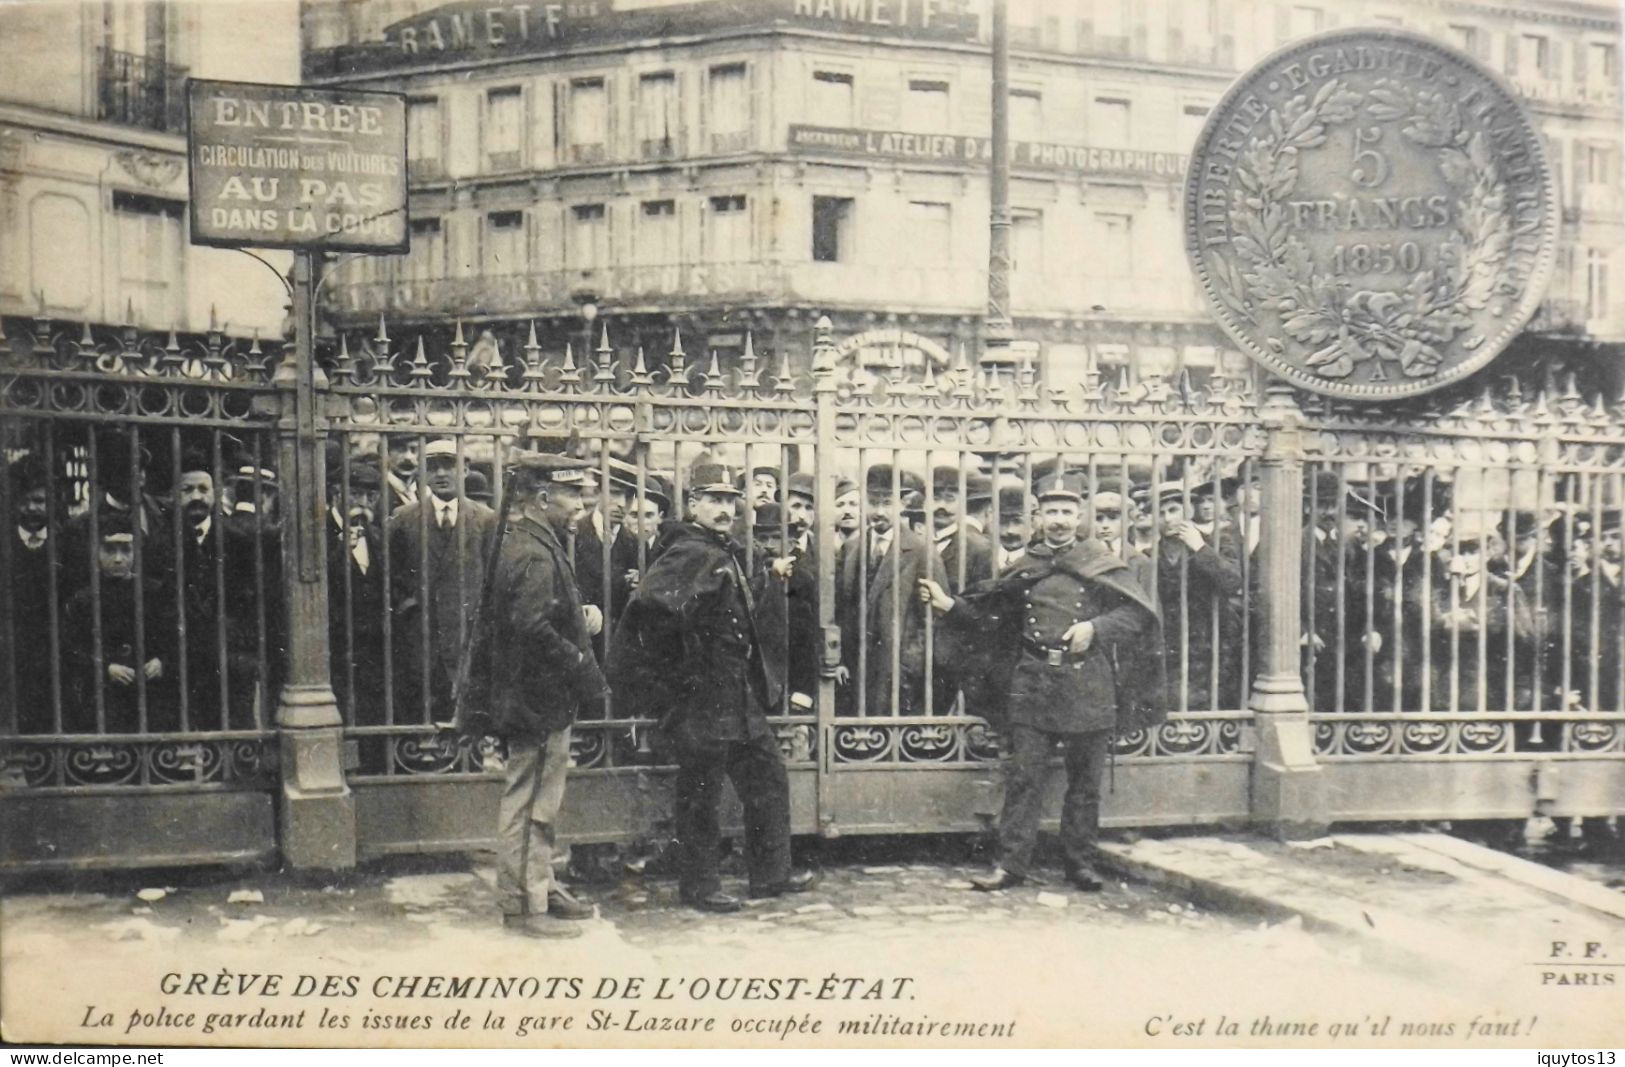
(1371,214)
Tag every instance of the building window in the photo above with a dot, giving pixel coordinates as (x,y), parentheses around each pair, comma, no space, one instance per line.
(424,138)
(729,235)
(1026,115)
(504,128)
(926,107)
(1026,250)
(588,121)
(1306,20)
(930,232)
(1534,53)
(426,258)
(588,244)
(1110,121)
(657,233)
(1115,248)
(1191,120)
(1599,69)
(1597,305)
(659,115)
(832,99)
(728,108)
(151,257)
(1465,38)
(831,229)
(505,242)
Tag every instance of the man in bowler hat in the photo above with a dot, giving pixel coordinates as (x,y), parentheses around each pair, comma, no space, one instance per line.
(689,652)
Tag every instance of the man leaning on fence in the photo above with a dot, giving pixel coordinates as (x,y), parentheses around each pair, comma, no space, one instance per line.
(542,670)
(1058,650)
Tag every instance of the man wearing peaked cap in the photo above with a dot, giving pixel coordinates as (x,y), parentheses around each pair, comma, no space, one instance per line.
(1054,653)
(689,652)
(543,671)
(1195,586)
(439,545)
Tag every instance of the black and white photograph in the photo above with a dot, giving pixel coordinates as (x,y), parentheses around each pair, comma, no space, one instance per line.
(929,524)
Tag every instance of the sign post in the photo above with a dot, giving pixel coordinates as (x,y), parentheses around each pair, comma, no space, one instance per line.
(277,166)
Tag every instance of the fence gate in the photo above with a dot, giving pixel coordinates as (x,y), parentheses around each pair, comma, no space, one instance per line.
(140,639)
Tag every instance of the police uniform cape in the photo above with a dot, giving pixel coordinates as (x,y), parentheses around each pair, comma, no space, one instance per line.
(654,647)
(985,654)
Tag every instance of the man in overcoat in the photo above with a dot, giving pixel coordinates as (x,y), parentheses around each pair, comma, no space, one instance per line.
(438,547)
(689,653)
(542,672)
(876,608)
(27,593)
(356,602)
(1055,653)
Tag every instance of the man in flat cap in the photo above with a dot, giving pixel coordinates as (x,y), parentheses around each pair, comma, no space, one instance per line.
(438,548)
(356,600)
(1200,623)
(1055,652)
(848,501)
(689,652)
(878,614)
(543,671)
(603,524)
(28,592)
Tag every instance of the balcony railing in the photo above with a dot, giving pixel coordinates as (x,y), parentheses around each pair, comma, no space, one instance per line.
(948,290)
(135,90)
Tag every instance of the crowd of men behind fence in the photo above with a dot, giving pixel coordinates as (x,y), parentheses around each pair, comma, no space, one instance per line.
(145,582)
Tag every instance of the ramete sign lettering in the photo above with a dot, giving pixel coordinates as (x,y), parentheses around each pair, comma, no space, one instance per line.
(953,148)
(481,26)
(278,166)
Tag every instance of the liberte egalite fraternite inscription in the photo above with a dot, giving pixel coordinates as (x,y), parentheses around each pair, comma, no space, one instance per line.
(1371,214)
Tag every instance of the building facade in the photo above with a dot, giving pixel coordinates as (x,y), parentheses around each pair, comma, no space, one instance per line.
(727,166)
(93,175)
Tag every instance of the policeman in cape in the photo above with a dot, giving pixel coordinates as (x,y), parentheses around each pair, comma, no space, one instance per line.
(1059,650)
(689,651)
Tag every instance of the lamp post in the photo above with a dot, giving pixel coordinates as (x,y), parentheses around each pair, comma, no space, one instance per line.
(998,330)
(587,303)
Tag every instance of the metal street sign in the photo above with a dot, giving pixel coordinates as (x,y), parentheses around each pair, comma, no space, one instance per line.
(1371,214)
(281,166)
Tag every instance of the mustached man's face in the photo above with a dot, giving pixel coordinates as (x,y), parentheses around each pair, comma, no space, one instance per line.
(846,512)
(879,507)
(563,504)
(1060,518)
(713,511)
(799,511)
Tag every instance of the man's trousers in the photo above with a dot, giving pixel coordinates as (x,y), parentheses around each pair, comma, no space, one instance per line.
(757,771)
(532,794)
(1026,771)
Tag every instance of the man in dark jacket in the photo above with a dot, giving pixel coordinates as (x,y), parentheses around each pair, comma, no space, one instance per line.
(28,594)
(356,603)
(608,523)
(1059,632)
(542,672)
(438,547)
(689,652)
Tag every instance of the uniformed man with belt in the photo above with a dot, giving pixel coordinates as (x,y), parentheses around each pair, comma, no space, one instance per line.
(689,652)
(1055,651)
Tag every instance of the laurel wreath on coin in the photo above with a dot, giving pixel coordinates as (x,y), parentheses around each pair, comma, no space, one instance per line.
(1346,326)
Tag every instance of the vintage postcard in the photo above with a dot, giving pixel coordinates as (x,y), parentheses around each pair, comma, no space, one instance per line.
(812,523)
